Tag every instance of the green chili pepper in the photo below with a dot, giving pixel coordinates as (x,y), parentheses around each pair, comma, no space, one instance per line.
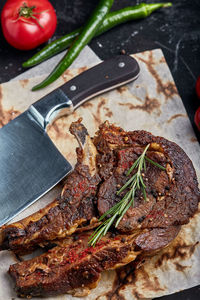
(89,31)
(80,42)
(111,20)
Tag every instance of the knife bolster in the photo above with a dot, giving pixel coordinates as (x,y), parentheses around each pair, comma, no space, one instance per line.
(51,107)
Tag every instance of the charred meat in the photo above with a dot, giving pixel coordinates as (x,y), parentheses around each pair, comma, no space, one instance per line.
(72,266)
(149,225)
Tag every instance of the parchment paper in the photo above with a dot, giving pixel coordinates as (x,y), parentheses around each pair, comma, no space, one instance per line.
(151,103)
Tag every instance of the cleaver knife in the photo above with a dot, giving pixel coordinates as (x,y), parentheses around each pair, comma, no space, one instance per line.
(30,163)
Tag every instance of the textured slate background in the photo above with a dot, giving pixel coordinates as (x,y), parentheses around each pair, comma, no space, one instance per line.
(175,30)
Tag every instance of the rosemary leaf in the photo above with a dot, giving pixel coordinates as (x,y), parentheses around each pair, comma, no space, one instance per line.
(111,220)
(133,184)
(155,163)
(96,237)
(142,182)
(110,211)
(124,200)
(135,165)
(125,210)
(144,193)
(145,167)
(125,186)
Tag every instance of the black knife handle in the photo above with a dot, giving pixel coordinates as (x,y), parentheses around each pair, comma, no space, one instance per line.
(100,78)
(105,76)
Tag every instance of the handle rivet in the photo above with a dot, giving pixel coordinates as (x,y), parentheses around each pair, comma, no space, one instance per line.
(121,64)
(72,88)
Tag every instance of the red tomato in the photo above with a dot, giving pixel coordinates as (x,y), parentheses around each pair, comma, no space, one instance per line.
(197,118)
(28,23)
(198,87)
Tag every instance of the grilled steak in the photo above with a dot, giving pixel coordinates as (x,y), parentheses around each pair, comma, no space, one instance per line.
(172,195)
(147,227)
(73,267)
(74,207)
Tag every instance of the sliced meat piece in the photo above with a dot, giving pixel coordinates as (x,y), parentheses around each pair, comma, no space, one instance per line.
(73,267)
(172,195)
(74,208)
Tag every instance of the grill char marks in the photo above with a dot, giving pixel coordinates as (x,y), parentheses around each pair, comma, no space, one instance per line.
(74,208)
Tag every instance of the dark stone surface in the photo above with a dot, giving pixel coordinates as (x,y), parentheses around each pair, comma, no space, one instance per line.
(175,30)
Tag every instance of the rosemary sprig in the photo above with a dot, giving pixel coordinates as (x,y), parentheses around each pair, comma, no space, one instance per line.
(117,212)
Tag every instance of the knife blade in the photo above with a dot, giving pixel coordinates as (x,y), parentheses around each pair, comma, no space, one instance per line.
(30,163)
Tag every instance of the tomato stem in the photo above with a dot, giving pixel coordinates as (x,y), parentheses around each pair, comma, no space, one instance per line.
(27,12)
